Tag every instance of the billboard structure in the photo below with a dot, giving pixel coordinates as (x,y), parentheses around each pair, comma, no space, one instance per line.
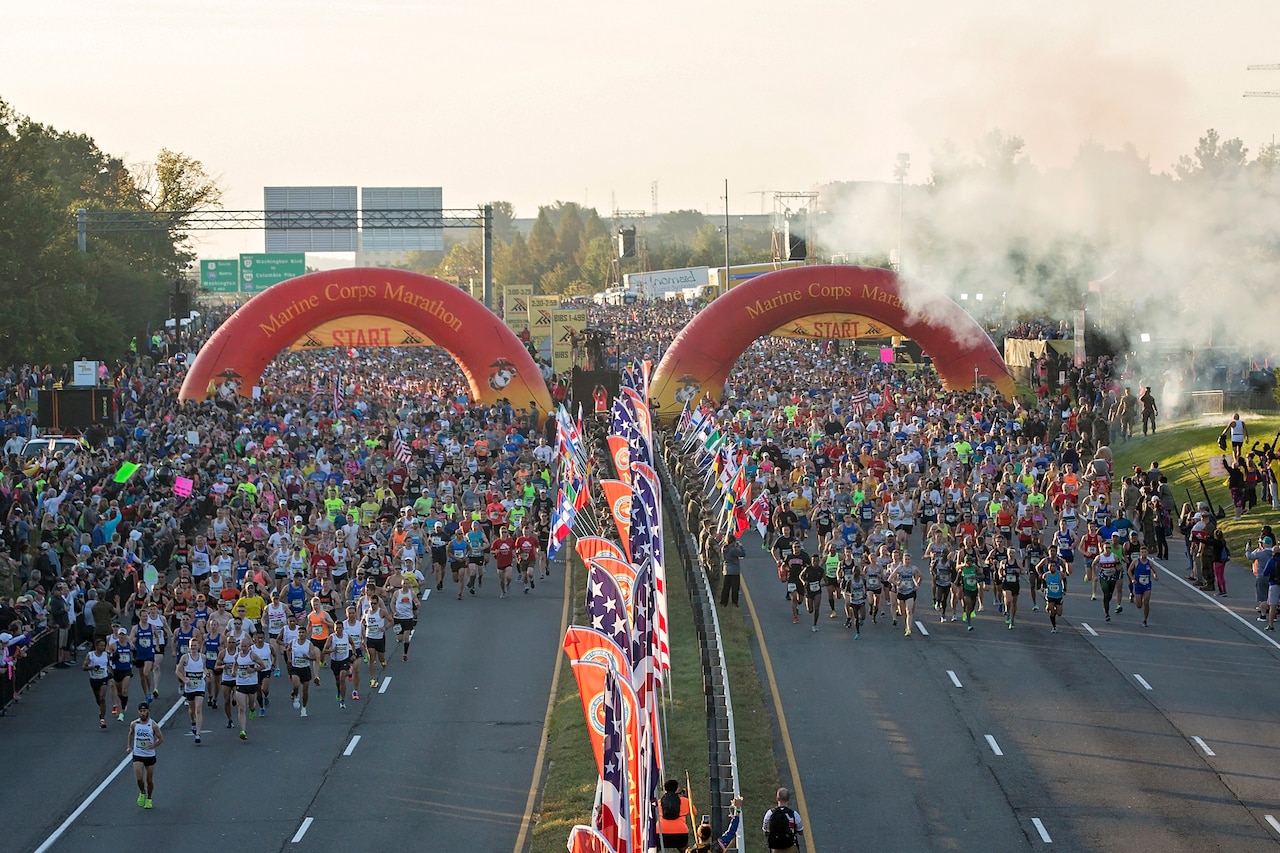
(567,326)
(310,219)
(401,219)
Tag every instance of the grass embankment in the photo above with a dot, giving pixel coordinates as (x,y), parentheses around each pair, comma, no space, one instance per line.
(569,789)
(1183,449)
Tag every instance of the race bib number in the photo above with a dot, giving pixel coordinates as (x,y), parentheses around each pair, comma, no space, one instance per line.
(791,587)
(814,586)
(98,672)
(301,661)
(195,683)
(124,656)
(317,631)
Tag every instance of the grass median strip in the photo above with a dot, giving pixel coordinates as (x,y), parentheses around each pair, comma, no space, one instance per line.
(569,789)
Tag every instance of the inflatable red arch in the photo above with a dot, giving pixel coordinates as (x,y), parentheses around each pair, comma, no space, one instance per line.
(494,361)
(702,355)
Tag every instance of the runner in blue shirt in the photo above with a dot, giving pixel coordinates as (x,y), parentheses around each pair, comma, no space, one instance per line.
(1141,575)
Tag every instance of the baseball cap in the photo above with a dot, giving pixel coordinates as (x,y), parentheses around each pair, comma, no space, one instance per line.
(142,705)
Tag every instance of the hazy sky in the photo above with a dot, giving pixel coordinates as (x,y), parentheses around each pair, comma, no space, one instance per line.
(592,101)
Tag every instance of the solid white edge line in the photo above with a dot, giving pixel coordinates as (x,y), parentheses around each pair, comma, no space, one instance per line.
(1200,742)
(351,747)
(426,594)
(923,629)
(995,747)
(1142,681)
(954,679)
(302,830)
(93,795)
(386,682)
(1173,573)
(1044,833)
(1275,824)
(1088,628)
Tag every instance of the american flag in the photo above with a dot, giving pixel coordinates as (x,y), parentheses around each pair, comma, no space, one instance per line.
(860,398)
(338,395)
(615,806)
(315,393)
(606,607)
(401,450)
(646,519)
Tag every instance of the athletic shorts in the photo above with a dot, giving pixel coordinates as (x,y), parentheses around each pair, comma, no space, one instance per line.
(263,675)
(1057,601)
(406,624)
(524,565)
(1014,588)
(247,689)
(477,560)
(319,644)
(145,760)
(907,596)
(377,644)
(1273,595)
(340,665)
(906,528)
(505,568)
(1138,589)
(96,684)
(941,592)
(196,694)
(302,673)
(970,595)
(121,674)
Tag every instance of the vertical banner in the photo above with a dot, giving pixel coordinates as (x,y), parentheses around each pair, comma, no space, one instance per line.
(567,325)
(541,309)
(515,306)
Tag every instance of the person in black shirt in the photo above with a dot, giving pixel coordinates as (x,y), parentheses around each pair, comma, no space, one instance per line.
(796,562)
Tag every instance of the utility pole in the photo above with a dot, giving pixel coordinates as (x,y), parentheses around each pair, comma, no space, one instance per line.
(726,235)
(900,169)
(488,257)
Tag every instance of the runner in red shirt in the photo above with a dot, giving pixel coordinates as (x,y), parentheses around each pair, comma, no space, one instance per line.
(495,515)
(1089,548)
(396,479)
(504,553)
(526,556)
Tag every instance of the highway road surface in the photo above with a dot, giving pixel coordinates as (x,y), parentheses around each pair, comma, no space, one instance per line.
(1106,736)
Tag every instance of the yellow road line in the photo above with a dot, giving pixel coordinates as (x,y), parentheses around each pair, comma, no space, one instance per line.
(527,819)
(794,768)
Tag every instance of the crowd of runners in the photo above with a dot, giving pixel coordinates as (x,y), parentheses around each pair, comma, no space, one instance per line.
(883,491)
(263,541)
(265,547)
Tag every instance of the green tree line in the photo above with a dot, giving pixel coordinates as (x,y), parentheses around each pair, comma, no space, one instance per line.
(59,303)
(571,249)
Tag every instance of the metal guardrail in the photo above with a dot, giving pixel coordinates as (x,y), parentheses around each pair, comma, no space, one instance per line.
(41,653)
(723,757)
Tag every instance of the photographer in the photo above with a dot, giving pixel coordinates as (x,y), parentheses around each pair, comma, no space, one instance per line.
(673,817)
